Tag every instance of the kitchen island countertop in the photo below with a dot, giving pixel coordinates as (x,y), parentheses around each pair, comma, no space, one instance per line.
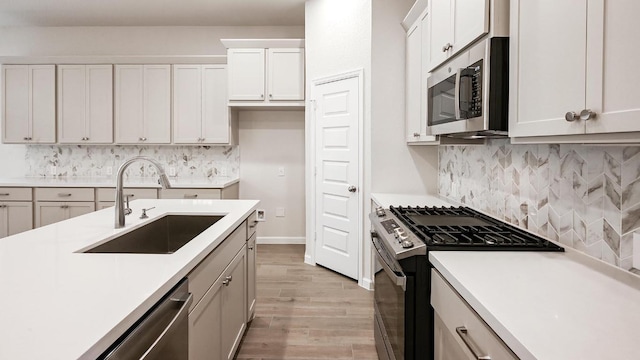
(59,303)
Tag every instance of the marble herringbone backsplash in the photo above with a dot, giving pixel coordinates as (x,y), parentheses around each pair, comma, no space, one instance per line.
(204,162)
(586,197)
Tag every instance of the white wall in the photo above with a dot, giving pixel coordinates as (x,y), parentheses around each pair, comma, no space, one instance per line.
(338,40)
(270,140)
(396,167)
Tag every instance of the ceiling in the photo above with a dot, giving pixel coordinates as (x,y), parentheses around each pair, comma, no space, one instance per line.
(151,12)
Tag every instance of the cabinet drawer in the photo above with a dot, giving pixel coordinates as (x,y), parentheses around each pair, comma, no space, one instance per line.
(189,194)
(203,275)
(64,194)
(109,194)
(16,194)
(455,312)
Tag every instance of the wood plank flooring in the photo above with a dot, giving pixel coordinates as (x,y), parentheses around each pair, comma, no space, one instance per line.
(306,312)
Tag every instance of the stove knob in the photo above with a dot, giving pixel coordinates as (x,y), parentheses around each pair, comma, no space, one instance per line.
(398,232)
(402,238)
(406,244)
(380,211)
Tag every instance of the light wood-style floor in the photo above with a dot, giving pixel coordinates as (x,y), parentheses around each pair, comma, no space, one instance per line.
(306,312)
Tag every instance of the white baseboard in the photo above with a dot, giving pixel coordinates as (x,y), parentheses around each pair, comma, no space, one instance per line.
(282,240)
(367,284)
(308,261)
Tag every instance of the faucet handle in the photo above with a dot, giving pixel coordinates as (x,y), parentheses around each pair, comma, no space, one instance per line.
(144,213)
(127,209)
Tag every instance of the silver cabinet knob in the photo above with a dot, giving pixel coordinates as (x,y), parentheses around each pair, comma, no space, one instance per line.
(225,282)
(446,47)
(571,116)
(270,96)
(352,189)
(587,114)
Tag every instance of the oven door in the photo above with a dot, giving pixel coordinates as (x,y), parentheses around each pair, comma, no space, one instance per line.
(389,294)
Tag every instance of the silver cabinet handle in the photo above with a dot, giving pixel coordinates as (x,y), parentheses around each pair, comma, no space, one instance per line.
(352,189)
(143,139)
(587,114)
(64,207)
(64,194)
(250,247)
(4,206)
(464,335)
(446,47)
(571,116)
(5,194)
(415,134)
(190,196)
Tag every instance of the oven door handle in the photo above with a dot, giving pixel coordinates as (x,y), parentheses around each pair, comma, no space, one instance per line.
(400,280)
(456,91)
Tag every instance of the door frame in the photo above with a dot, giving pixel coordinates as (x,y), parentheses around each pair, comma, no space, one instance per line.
(310,256)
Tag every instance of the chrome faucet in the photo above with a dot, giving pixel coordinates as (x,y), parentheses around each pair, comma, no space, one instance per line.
(164,181)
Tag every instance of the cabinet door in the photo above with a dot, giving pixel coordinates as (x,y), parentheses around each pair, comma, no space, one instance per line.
(215,111)
(234,305)
(545,84)
(246,74)
(15,217)
(286,74)
(28,104)
(71,103)
(470,21)
(129,100)
(251,277)
(445,346)
(42,106)
(612,84)
(187,104)
(49,212)
(440,31)
(15,103)
(205,325)
(157,104)
(79,208)
(99,104)
(413,83)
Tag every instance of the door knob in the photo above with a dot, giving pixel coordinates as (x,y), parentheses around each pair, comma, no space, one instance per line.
(352,189)
(587,114)
(571,116)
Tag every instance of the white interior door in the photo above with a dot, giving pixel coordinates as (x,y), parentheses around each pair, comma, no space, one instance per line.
(337,115)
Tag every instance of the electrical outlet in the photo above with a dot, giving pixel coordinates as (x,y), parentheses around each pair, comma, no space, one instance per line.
(172,171)
(260,215)
(223,171)
(53,170)
(109,170)
(281,171)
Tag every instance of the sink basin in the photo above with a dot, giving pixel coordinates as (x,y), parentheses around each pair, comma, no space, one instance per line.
(162,236)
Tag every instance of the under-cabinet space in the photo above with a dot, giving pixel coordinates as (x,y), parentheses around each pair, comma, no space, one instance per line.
(28,104)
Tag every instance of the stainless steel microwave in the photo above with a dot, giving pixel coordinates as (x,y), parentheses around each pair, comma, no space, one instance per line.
(468,96)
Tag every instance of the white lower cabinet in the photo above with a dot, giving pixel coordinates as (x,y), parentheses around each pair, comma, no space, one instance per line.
(49,212)
(218,317)
(15,217)
(459,333)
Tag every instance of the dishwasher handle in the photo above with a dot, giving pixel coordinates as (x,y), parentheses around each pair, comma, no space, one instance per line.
(158,345)
(164,327)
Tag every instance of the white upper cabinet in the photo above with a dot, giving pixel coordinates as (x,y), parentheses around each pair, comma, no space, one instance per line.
(415,81)
(143,104)
(29,104)
(286,74)
(85,104)
(454,25)
(246,74)
(266,72)
(200,111)
(574,80)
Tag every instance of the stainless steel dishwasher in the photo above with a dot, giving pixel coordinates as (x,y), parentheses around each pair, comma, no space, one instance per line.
(162,333)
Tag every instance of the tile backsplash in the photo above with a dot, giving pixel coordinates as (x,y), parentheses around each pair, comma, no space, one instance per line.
(206,162)
(584,196)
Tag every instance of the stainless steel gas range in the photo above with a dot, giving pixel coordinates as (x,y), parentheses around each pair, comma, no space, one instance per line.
(402,237)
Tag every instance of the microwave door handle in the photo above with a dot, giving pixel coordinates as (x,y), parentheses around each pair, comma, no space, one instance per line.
(457,95)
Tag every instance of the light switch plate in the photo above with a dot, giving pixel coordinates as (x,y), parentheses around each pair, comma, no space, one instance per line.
(281,171)
(279,212)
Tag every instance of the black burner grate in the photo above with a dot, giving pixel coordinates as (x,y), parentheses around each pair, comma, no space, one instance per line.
(459,228)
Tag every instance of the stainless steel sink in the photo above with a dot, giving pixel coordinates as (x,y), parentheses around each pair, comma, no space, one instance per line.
(162,236)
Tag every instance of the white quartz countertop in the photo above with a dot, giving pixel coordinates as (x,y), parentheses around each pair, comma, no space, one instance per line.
(549,306)
(56,303)
(386,199)
(38,181)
